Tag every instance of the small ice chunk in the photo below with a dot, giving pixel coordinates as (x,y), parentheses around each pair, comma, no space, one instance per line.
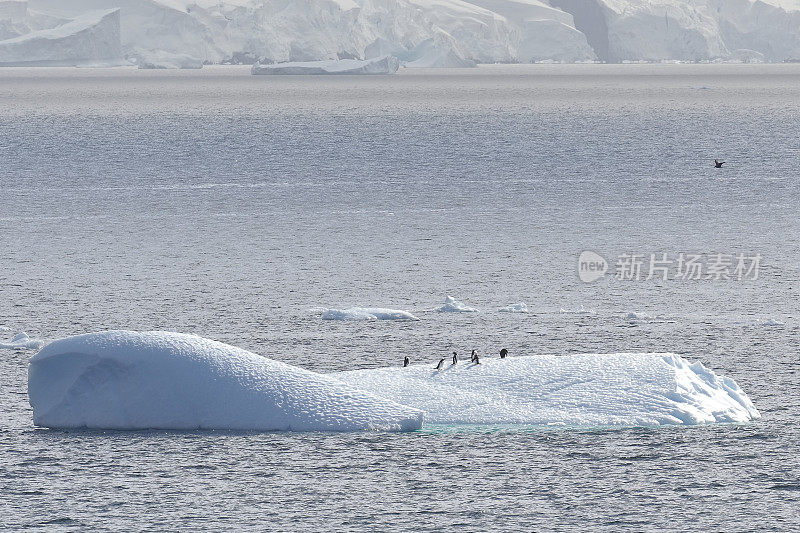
(451,305)
(520,307)
(21,341)
(367,313)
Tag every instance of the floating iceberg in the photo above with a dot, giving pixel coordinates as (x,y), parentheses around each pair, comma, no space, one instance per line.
(520,307)
(451,305)
(579,390)
(157,59)
(133,380)
(378,65)
(89,39)
(367,313)
(20,341)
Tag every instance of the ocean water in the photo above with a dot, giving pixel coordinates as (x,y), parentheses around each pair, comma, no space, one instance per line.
(235,207)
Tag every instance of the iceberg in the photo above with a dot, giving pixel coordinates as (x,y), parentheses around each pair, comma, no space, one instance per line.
(90,39)
(20,341)
(161,380)
(520,307)
(367,313)
(451,305)
(378,65)
(581,390)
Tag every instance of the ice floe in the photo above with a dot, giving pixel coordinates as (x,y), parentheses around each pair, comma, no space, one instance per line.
(520,307)
(367,313)
(378,65)
(580,390)
(138,380)
(451,305)
(20,341)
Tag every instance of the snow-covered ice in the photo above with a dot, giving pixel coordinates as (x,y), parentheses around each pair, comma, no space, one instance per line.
(367,313)
(158,59)
(520,307)
(438,33)
(92,38)
(451,305)
(378,65)
(580,390)
(20,341)
(138,380)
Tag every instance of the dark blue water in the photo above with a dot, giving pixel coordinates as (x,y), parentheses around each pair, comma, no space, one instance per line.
(215,203)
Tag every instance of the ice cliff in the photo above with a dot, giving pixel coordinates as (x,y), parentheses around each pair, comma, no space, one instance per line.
(92,37)
(423,33)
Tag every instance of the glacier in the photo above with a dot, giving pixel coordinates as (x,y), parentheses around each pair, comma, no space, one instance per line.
(425,33)
(647,389)
(92,38)
(162,380)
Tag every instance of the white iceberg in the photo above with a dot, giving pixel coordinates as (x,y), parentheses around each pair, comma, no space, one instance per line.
(92,38)
(367,313)
(20,341)
(378,65)
(135,380)
(451,305)
(520,307)
(158,59)
(580,390)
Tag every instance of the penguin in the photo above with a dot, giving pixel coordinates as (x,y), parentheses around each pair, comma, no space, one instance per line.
(718,163)
(406,362)
(455,358)
(477,361)
(441,364)
(503,353)
(473,356)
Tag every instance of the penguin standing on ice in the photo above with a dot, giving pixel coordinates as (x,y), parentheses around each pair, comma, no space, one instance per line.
(455,358)
(503,353)
(406,362)
(473,356)
(441,364)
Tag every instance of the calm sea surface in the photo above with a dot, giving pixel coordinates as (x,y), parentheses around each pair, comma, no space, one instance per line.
(234,207)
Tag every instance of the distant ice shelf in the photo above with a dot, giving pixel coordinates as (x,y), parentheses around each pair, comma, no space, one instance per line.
(378,65)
